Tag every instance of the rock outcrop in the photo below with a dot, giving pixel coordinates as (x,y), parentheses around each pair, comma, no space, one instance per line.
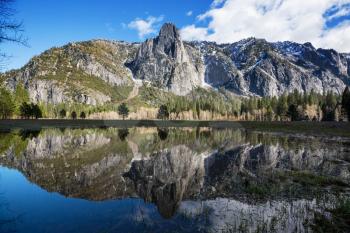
(167,62)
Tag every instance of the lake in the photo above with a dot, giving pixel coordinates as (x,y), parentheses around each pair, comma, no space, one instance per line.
(148,179)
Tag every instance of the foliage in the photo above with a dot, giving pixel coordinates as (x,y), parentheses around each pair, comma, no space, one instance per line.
(7,106)
(123,110)
(63,113)
(163,112)
(82,115)
(21,96)
(291,106)
(346,101)
(73,115)
(30,111)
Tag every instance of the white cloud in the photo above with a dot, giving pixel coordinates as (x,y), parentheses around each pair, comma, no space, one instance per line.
(189,13)
(194,33)
(145,27)
(274,20)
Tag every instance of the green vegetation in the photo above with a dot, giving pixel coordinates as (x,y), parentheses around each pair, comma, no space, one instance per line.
(199,104)
(16,104)
(7,104)
(123,110)
(346,101)
(163,112)
(73,115)
(63,113)
(292,106)
(82,115)
(30,111)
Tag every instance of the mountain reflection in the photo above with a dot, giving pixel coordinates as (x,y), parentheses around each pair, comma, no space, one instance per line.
(176,169)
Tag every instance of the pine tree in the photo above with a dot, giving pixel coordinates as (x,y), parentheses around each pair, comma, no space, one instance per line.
(163,112)
(82,115)
(74,115)
(25,110)
(293,112)
(63,113)
(346,101)
(35,111)
(282,106)
(123,110)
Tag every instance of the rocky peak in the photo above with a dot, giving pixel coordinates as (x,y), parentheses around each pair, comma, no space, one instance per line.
(168,40)
(169,31)
(167,62)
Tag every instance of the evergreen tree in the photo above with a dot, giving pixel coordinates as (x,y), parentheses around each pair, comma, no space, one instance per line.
(163,112)
(74,115)
(82,115)
(35,111)
(282,106)
(63,113)
(269,113)
(123,110)
(25,110)
(7,106)
(346,101)
(293,112)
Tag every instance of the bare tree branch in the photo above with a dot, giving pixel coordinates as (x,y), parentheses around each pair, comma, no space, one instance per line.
(11,30)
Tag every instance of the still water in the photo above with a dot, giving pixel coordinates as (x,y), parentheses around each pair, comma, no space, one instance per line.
(169,180)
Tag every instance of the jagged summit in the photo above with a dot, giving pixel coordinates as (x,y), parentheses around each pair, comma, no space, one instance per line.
(167,62)
(168,39)
(169,31)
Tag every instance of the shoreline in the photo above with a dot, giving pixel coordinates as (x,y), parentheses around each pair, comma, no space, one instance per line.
(341,129)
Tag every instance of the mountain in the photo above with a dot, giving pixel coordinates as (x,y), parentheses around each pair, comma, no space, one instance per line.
(168,62)
(100,71)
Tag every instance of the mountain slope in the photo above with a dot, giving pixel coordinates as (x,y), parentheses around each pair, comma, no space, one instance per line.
(86,72)
(99,71)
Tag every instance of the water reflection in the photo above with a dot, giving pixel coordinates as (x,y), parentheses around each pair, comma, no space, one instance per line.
(219,180)
(123,133)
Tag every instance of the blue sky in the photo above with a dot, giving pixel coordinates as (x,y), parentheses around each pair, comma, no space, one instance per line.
(51,23)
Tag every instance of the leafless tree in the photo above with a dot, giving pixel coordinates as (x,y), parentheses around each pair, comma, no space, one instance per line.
(11,30)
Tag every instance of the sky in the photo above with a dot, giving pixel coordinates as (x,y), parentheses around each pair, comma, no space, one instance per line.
(49,23)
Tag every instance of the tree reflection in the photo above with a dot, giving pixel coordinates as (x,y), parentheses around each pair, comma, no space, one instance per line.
(123,134)
(163,133)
